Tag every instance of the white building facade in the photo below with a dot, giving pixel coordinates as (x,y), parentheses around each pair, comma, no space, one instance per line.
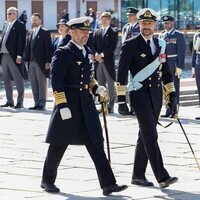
(51,10)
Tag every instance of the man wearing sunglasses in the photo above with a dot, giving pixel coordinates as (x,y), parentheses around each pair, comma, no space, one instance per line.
(12,46)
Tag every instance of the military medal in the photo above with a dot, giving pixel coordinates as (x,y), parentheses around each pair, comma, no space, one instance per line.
(162,57)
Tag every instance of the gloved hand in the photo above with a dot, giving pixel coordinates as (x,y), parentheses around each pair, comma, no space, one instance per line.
(101,90)
(65,113)
(173,104)
(178,72)
(123,109)
(193,72)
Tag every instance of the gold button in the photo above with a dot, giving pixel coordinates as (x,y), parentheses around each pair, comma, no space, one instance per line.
(81,89)
(149,78)
(149,85)
(81,83)
(158,85)
(158,78)
(82,75)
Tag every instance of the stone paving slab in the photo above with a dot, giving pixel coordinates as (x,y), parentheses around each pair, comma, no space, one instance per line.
(22,154)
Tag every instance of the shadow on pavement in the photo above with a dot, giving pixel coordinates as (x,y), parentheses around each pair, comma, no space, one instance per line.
(77,197)
(178,195)
(26,110)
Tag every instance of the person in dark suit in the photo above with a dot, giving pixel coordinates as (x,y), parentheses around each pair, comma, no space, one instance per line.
(175,51)
(38,56)
(104,45)
(64,36)
(149,69)
(74,118)
(12,46)
(196,62)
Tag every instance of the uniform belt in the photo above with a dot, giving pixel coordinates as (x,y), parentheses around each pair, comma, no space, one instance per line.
(81,86)
(172,56)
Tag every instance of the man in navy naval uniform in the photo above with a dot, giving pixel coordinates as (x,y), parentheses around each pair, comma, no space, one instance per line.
(75,119)
(149,69)
(196,61)
(175,51)
(132,28)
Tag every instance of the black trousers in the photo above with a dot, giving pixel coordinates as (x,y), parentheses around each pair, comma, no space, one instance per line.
(96,151)
(147,147)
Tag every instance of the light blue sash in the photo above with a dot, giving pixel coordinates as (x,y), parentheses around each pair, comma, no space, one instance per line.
(135,84)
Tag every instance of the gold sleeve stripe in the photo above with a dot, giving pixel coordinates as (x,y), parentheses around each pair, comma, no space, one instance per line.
(93,83)
(169,87)
(121,89)
(59,97)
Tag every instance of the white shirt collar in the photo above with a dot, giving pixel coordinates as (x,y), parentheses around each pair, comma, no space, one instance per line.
(170,31)
(145,39)
(106,28)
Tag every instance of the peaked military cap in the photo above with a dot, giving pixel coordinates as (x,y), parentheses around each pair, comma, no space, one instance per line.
(147,14)
(62,21)
(82,23)
(131,11)
(106,14)
(167,18)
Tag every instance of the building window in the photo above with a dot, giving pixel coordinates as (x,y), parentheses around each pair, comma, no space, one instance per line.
(10,4)
(62,10)
(37,7)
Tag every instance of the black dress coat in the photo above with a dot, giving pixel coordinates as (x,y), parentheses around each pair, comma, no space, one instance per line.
(41,48)
(107,46)
(15,43)
(70,67)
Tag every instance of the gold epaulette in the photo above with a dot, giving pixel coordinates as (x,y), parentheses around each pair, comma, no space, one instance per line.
(59,97)
(169,87)
(93,83)
(121,89)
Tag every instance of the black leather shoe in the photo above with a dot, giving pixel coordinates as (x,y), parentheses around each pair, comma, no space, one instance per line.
(33,108)
(167,182)
(113,188)
(142,182)
(18,105)
(197,118)
(167,114)
(110,110)
(40,108)
(132,112)
(7,105)
(50,187)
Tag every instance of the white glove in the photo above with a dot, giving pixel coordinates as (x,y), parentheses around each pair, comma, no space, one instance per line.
(65,113)
(101,90)
(193,71)
(178,72)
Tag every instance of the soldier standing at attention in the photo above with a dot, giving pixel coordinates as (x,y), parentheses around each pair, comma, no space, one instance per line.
(196,62)
(149,69)
(75,118)
(132,28)
(175,51)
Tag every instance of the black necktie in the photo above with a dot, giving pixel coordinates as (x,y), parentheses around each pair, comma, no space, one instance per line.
(149,47)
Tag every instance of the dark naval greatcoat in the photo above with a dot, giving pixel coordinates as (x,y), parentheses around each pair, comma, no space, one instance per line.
(71,75)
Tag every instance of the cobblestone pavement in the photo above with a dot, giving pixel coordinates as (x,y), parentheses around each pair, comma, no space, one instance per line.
(22,154)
